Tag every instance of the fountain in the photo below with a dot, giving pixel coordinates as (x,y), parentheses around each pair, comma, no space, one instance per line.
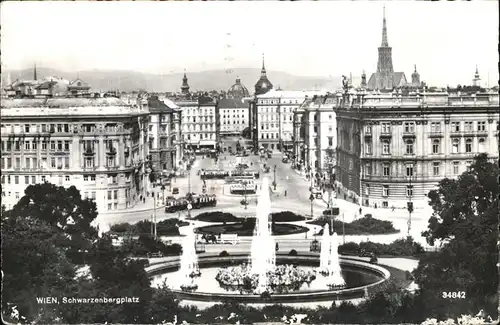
(263,258)
(329,259)
(189,263)
(265,272)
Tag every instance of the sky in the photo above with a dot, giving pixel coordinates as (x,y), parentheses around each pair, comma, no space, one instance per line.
(446,40)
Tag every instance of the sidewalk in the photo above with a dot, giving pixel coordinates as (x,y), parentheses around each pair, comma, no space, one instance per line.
(139,207)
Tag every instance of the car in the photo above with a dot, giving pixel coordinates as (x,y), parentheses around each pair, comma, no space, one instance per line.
(175,190)
(284,160)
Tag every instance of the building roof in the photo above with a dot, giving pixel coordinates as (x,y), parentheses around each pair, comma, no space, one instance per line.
(291,93)
(67,107)
(78,84)
(383,81)
(233,103)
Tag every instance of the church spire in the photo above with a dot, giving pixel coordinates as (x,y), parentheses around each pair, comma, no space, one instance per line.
(34,72)
(385,42)
(263,70)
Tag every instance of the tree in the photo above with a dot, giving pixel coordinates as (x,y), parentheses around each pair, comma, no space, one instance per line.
(465,220)
(246,133)
(33,266)
(63,209)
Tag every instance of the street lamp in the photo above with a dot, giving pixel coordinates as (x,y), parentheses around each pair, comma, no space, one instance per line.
(274,183)
(245,203)
(311,198)
(410,205)
(189,190)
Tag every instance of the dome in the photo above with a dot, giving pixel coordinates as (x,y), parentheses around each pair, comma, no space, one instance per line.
(238,90)
(262,86)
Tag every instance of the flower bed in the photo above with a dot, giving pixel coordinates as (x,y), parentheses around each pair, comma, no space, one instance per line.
(247,227)
(283,278)
(362,226)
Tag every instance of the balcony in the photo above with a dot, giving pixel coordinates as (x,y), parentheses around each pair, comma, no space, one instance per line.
(111,151)
(89,168)
(89,152)
(112,167)
(436,134)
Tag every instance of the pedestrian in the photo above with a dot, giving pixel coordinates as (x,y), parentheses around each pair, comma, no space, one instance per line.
(285,192)
(144,200)
(360,211)
(277,246)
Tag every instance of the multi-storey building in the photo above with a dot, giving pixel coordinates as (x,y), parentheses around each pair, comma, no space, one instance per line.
(199,122)
(164,135)
(272,120)
(96,144)
(233,114)
(315,134)
(395,148)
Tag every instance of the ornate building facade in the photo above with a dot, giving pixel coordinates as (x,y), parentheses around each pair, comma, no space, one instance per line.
(96,144)
(164,135)
(393,149)
(199,122)
(315,134)
(272,120)
(233,115)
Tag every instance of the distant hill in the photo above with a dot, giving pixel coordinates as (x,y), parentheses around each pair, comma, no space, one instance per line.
(204,80)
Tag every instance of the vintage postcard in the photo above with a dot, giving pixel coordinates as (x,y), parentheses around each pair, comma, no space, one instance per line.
(250,162)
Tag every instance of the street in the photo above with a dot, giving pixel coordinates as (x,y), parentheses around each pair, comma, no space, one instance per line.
(291,194)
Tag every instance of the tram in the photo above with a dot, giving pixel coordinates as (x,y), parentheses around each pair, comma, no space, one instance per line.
(197,202)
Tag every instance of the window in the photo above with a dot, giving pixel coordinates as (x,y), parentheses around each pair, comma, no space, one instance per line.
(16,179)
(455,143)
(481,144)
(386,170)
(368,129)
(18,162)
(33,179)
(89,162)
(435,146)
(27,163)
(27,146)
(368,147)
(409,190)
(368,169)
(34,145)
(26,180)
(109,195)
(409,170)
(66,162)
(66,145)
(367,189)
(386,127)
(468,145)
(59,145)
(44,179)
(52,145)
(66,178)
(481,126)
(435,168)
(435,127)
(409,147)
(385,147)
(27,128)
(409,127)
(385,190)
(330,141)
(44,145)
(456,167)
(115,194)
(455,126)
(468,126)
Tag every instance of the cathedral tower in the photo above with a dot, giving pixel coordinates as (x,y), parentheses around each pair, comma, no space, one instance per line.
(185,86)
(384,64)
(477,79)
(263,85)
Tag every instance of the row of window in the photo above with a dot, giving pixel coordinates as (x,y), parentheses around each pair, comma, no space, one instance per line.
(410,169)
(206,136)
(90,162)
(277,101)
(436,146)
(199,111)
(435,127)
(276,118)
(234,122)
(198,127)
(32,163)
(386,192)
(33,145)
(200,120)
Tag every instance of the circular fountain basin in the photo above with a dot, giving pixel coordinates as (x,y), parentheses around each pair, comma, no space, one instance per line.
(360,276)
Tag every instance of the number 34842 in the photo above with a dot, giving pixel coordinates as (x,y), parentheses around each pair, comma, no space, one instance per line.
(453,295)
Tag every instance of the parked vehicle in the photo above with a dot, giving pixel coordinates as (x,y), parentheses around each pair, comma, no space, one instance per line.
(196,201)
(284,160)
(175,190)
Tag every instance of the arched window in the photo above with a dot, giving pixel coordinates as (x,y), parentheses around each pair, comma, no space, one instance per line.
(468,145)
(455,145)
(481,145)
(435,146)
